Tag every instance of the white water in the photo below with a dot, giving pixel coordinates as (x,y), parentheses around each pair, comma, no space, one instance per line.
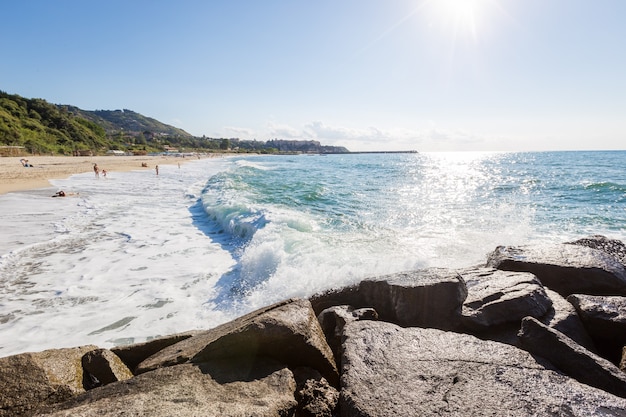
(120,262)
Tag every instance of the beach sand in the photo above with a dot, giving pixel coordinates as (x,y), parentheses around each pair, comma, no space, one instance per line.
(15,177)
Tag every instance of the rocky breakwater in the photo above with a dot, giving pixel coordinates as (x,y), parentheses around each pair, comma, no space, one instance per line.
(534,331)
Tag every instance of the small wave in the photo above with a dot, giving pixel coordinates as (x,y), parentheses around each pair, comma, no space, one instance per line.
(605,186)
(250,164)
(238,221)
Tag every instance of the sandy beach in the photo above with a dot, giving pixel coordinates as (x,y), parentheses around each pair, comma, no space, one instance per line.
(15,177)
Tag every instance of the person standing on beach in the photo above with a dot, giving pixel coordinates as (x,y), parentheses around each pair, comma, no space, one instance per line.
(157,169)
(96,170)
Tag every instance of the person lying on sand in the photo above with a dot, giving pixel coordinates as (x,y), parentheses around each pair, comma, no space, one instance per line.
(25,163)
(63,194)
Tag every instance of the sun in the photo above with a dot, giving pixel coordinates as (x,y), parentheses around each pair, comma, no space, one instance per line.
(461,16)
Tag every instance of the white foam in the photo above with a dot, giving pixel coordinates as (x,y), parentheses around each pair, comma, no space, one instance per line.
(123,261)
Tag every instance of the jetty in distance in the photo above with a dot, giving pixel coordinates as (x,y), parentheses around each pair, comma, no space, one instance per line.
(359,152)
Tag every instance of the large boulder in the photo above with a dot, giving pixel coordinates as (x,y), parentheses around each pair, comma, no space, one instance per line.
(216,388)
(565,268)
(29,380)
(571,358)
(605,320)
(288,332)
(392,371)
(496,297)
(423,298)
(613,247)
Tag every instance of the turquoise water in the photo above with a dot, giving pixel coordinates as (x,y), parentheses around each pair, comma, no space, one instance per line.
(136,255)
(379,213)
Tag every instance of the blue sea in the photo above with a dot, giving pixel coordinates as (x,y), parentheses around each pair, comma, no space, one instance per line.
(134,256)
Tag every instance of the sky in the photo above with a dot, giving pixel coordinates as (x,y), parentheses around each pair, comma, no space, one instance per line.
(425,75)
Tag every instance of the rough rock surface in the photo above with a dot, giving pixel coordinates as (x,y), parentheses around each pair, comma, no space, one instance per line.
(392,371)
(571,358)
(333,319)
(605,320)
(316,397)
(103,367)
(564,318)
(613,247)
(133,355)
(425,298)
(30,379)
(566,269)
(288,332)
(219,389)
(602,314)
(496,297)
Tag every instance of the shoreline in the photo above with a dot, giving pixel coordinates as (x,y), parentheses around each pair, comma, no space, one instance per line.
(14,177)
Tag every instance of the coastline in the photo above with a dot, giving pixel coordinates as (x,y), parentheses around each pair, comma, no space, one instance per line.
(15,177)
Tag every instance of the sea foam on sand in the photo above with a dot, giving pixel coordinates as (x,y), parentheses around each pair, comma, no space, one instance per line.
(119,261)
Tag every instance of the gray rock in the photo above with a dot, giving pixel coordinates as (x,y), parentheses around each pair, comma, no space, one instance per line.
(424,298)
(566,269)
(133,355)
(350,296)
(605,320)
(104,367)
(496,297)
(288,332)
(622,362)
(613,247)
(30,380)
(217,388)
(564,318)
(602,314)
(393,371)
(333,319)
(571,358)
(315,396)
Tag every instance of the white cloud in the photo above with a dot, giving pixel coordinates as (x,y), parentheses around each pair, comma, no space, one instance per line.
(320,130)
(283,131)
(429,138)
(238,132)
(375,138)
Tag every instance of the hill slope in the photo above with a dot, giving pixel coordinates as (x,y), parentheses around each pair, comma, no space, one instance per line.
(36,127)
(45,128)
(115,120)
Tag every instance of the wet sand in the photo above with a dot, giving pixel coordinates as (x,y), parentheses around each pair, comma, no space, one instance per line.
(15,177)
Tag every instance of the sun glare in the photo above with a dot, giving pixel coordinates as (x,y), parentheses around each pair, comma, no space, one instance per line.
(462,16)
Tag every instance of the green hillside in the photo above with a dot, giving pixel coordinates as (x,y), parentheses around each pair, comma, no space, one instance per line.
(34,126)
(115,120)
(44,128)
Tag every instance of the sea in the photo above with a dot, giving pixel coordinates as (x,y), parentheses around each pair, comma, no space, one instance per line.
(134,256)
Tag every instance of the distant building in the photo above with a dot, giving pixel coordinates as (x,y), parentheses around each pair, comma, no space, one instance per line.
(12,150)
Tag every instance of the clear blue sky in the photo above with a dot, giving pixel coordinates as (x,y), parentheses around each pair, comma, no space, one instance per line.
(365,74)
